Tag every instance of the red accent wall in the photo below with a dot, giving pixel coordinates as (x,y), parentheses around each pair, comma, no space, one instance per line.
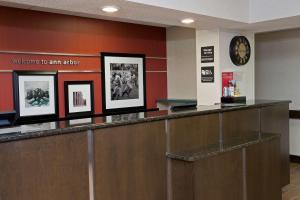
(33,31)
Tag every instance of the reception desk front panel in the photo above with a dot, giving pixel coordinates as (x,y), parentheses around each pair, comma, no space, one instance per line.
(154,155)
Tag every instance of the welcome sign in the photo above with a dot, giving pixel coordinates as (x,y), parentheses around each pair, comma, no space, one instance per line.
(22,61)
(11,61)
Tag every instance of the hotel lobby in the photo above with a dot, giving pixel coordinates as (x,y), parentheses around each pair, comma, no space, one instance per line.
(149,100)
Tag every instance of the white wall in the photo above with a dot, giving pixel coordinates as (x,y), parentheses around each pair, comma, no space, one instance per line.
(210,93)
(263,10)
(278,73)
(247,11)
(181,54)
(278,66)
(295,137)
(237,10)
(243,74)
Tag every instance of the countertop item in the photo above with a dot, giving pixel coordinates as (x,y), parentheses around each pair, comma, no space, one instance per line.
(7,118)
(176,104)
(70,126)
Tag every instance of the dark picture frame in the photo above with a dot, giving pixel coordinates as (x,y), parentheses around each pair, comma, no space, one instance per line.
(131,66)
(35,103)
(86,113)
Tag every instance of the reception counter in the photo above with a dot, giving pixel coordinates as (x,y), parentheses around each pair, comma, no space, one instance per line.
(151,156)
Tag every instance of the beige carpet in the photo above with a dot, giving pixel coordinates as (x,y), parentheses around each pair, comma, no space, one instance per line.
(292,191)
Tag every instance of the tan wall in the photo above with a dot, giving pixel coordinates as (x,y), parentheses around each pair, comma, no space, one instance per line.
(277,71)
(278,66)
(181,53)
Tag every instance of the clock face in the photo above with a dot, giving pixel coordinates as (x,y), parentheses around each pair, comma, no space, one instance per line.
(240,50)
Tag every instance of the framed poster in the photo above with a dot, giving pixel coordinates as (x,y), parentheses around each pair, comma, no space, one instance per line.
(35,96)
(79,98)
(123,82)
(207,74)
(207,54)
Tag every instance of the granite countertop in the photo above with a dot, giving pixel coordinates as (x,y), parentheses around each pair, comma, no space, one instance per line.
(70,126)
(215,149)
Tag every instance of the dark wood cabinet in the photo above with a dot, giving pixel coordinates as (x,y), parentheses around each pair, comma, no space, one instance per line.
(263,171)
(130,162)
(249,172)
(219,177)
(185,134)
(240,123)
(275,119)
(49,168)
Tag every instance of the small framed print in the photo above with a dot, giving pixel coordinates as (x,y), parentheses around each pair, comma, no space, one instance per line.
(123,83)
(35,96)
(79,98)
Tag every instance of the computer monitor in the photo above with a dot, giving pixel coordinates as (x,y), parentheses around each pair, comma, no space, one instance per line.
(7,118)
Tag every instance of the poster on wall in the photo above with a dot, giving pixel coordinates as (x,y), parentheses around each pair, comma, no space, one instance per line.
(79,100)
(123,82)
(207,54)
(35,95)
(207,74)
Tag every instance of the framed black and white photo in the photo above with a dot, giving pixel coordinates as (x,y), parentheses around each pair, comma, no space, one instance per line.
(79,98)
(123,82)
(35,96)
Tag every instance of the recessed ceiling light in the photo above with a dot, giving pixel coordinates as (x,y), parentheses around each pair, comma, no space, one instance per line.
(110,9)
(187,21)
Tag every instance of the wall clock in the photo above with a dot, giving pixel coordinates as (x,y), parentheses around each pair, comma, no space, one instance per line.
(239,50)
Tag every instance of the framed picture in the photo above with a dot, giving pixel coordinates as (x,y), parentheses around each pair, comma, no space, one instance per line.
(35,96)
(79,98)
(123,82)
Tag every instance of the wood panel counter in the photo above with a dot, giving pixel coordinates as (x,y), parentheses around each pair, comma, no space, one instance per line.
(124,156)
(243,168)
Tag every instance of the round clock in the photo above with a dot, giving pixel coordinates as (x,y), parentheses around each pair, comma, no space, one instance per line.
(239,50)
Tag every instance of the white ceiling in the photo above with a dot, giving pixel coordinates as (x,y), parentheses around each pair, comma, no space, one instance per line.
(209,14)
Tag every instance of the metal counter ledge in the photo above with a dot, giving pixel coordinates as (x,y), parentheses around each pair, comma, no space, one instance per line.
(78,125)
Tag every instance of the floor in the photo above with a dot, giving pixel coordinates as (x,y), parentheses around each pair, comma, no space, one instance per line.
(292,191)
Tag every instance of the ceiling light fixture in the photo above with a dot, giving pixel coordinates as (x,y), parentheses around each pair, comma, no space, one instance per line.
(187,21)
(110,9)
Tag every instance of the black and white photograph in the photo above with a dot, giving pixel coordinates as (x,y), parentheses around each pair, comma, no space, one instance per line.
(123,82)
(35,94)
(79,98)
